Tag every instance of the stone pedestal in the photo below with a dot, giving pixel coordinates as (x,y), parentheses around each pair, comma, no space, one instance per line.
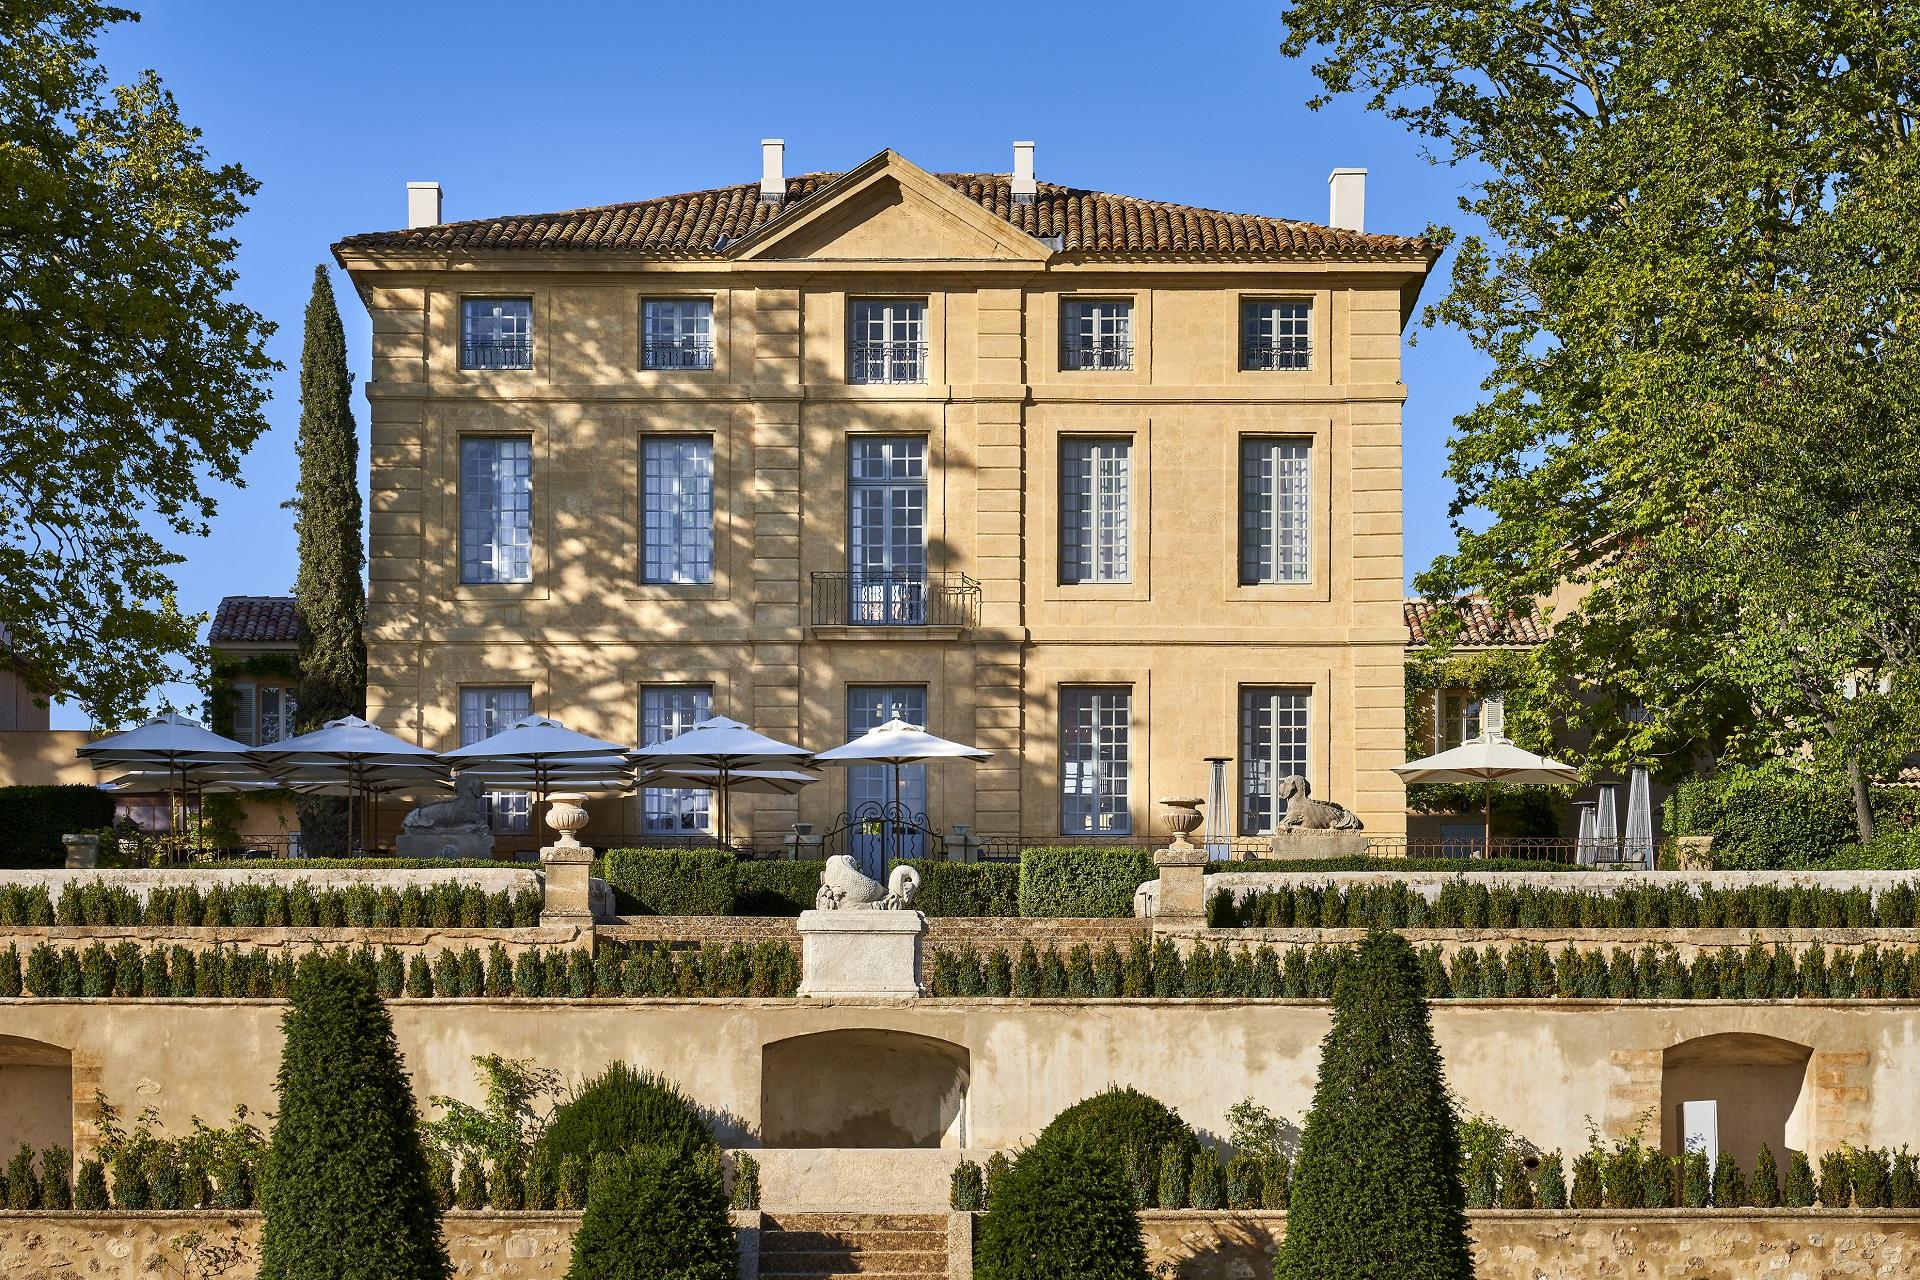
(1183,885)
(861,953)
(82,851)
(1695,853)
(444,844)
(567,899)
(1300,843)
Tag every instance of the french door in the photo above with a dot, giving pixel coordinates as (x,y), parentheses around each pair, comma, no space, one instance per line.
(887,533)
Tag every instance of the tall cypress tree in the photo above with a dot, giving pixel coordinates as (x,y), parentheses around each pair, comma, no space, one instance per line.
(349,1196)
(1376,1189)
(327,506)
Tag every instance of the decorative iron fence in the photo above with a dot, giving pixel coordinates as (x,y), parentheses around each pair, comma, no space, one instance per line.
(677,353)
(886,362)
(1600,853)
(1275,355)
(895,600)
(496,353)
(1096,353)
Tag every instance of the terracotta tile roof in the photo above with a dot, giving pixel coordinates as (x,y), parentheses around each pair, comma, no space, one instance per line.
(700,223)
(255,620)
(1481,626)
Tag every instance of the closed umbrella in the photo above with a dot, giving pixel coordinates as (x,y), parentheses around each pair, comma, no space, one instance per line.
(1488,759)
(355,755)
(897,743)
(727,748)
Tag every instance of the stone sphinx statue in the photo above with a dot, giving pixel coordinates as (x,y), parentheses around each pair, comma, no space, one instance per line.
(453,828)
(844,887)
(1303,813)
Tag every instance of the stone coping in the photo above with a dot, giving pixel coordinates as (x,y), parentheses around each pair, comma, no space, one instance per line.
(280,935)
(955,1004)
(140,881)
(1622,936)
(1429,883)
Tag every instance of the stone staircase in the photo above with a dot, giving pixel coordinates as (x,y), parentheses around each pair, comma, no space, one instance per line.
(841,1246)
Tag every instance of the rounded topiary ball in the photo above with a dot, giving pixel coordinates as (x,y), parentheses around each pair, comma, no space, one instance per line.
(620,1110)
(1120,1121)
(1062,1212)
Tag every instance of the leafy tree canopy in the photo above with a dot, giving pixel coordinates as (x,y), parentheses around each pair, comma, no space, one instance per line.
(130,382)
(1696,288)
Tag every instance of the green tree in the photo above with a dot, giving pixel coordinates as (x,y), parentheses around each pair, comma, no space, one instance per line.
(1693,281)
(1063,1211)
(654,1214)
(327,507)
(130,379)
(349,1197)
(1376,1188)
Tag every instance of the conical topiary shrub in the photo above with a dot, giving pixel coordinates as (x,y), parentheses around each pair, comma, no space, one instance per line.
(1376,1189)
(349,1198)
(654,1214)
(1063,1211)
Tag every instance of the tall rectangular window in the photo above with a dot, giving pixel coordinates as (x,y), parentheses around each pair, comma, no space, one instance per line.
(676,509)
(667,711)
(677,333)
(263,714)
(1276,335)
(1459,718)
(1096,333)
(887,341)
(887,530)
(1275,498)
(1095,761)
(496,333)
(1273,745)
(496,509)
(1095,500)
(484,711)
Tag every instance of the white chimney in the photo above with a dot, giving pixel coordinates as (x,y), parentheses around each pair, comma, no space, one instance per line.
(1024,187)
(773,171)
(1347,199)
(423,204)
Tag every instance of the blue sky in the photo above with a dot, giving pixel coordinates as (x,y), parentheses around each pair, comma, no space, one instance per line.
(519,108)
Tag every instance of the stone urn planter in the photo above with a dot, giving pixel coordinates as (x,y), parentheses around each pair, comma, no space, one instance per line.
(1181,818)
(567,815)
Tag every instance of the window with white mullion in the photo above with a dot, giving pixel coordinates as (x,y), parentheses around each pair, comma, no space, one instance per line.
(666,711)
(887,341)
(1273,746)
(678,333)
(496,333)
(1095,509)
(496,509)
(677,509)
(1276,335)
(1275,495)
(1097,334)
(1095,761)
(484,711)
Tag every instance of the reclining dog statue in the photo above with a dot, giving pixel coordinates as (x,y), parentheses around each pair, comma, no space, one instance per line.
(1307,814)
(844,887)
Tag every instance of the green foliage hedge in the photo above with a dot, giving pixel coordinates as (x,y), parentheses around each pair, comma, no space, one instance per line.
(1133,1125)
(447,905)
(1469,905)
(969,888)
(776,887)
(43,1182)
(364,864)
(1082,881)
(1778,816)
(1627,1174)
(32,820)
(653,1215)
(1458,866)
(1064,1211)
(623,1110)
(672,882)
(130,971)
(1518,971)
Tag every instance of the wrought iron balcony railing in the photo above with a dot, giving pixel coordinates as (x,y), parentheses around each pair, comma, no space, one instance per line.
(677,353)
(895,600)
(496,353)
(1275,355)
(884,362)
(1096,353)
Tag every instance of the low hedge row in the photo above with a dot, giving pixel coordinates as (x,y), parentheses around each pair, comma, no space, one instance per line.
(712,882)
(1519,971)
(1082,881)
(1466,905)
(126,971)
(1176,1176)
(32,820)
(1632,1176)
(447,905)
(1451,865)
(967,888)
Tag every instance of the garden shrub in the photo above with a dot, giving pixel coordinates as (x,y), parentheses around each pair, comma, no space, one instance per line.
(90,1187)
(1206,1183)
(620,1110)
(1122,1121)
(775,887)
(1799,1192)
(655,1214)
(1835,1188)
(968,888)
(1903,1181)
(350,1197)
(1171,1192)
(32,820)
(966,1191)
(1376,1187)
(1062,1212)
(1730,1189)
(1764,818)
(994,1173)
(1081,882)
(672,882)
(1764,1191)
(1550,1187)
(22,1183)
(746,1182)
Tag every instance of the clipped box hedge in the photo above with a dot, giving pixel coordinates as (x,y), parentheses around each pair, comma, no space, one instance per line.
(671,882)
(966,888)
(32,820)
(776,887)
(1082,881)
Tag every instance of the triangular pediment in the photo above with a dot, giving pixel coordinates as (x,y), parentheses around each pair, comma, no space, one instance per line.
(888,210)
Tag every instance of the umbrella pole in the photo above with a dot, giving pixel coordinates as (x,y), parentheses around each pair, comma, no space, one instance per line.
(1486,845)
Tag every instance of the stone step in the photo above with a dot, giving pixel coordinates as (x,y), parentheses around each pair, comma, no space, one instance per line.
(855,1222)
(918,1262)
(843,1241)
(863,1275)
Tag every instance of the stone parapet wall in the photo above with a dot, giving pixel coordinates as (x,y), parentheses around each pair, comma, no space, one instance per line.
(1687,943)
(429,942)
(1429,883)
(141,881)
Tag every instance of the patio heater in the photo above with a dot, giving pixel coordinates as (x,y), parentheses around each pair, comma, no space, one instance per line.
(1215,839)
(1583,843)
(1606,824)
(1638,850)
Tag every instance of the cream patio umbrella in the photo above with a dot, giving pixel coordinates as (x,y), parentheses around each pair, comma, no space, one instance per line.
(897,743)
(725,747)
(1488,759)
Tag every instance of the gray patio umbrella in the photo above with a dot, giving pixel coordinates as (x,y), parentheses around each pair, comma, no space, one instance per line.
(180,753)
(542,756)
(350,753)
(726,747)
(896,743)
